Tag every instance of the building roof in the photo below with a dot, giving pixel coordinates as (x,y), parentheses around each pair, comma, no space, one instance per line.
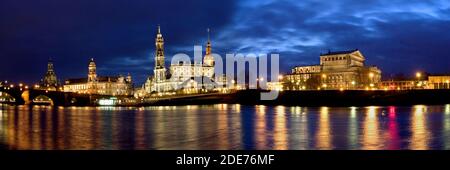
(339,52)
(76,81)
(99,79)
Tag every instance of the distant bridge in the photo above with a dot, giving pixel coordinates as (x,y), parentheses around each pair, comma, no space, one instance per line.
(22,96)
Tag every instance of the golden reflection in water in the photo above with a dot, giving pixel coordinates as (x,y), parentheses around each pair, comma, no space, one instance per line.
(48,133)
(446,130)
(298,137)
(2,125)
(80,137)
(323,135)
(371,136)
(36,128)
(192,127)
(447,109)
(237,107)
(21,131)
(260,129)
(235,120)
(280,131)
(304,137)
(61,127)
(419,138)
(140,130)
(98,124)
(353,127)
(222,128)
(160,129)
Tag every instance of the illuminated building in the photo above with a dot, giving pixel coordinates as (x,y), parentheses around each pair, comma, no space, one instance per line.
(439,81)
(182,75)
(337,70)
(93,84)
(398,85)
(49,82)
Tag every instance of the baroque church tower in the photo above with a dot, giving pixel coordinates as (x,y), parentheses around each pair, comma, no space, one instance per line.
(160,69)
(208,60)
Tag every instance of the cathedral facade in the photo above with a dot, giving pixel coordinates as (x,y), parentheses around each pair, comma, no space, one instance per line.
(181,76)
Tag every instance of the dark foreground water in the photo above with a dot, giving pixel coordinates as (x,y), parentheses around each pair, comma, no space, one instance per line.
(225,127)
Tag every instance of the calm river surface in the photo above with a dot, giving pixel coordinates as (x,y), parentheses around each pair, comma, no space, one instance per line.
(225,126)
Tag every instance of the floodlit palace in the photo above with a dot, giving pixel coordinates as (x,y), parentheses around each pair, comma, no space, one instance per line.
(182,76)
(337,70)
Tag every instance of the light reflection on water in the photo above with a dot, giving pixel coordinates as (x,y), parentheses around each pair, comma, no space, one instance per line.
(225,126)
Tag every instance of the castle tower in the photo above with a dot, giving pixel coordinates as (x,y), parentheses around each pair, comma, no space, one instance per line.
(50,79)
(159,70)
(92,74)
(208,60)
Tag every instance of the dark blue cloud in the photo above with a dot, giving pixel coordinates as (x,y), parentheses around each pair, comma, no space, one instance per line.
(397,35)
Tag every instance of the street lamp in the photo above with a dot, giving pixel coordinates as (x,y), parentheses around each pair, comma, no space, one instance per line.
(418,75)
(324,77)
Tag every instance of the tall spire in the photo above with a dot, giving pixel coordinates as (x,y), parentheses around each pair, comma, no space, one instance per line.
(208,44)
(159,29)
(208,35)
(159,70)
(208,60)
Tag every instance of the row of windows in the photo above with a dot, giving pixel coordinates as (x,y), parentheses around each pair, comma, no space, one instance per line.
(334,58)
(307,70)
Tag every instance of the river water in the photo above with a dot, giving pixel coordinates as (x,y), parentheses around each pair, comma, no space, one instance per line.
(224,127)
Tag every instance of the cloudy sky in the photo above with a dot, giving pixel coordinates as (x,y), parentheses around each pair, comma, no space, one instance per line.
(399,36)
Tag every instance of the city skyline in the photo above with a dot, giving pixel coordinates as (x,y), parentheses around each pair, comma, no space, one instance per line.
(398,37)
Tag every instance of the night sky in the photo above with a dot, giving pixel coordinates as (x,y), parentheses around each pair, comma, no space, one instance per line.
(399,36)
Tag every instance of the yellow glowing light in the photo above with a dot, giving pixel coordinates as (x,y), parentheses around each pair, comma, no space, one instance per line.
(418,74)
(20,84)
(12,86)
(371,75)
(353,82)
(324,76)
(371,85)
(341,89)
(26,87)
(447,81)
(447,109)
(324,85)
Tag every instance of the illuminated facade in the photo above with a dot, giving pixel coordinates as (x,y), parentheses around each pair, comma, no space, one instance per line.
(439,82)
(93,84)
(182,75)
(399,85)
(49,82)
(337,70)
